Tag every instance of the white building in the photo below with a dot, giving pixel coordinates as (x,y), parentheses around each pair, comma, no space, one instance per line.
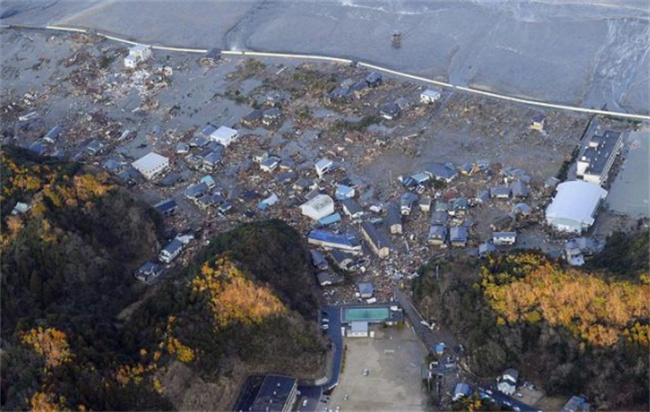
(504,238)
(430,96)
(507,383)
(318,207)
(575,206)
(598,157)
(137,54)
(151,164)
(323,166)
(358,330)
(224,135)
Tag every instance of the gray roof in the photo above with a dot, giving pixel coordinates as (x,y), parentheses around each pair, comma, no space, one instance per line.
(438,232)
(351,206)
(366,288)
(458,234)
(440,171)
(394,217)
(377,237)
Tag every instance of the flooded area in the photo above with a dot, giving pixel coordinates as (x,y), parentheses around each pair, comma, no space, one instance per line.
(629,193)
(592,53)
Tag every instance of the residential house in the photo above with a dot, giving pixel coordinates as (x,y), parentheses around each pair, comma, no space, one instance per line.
(20,208)
(352,208)
(137,53)
(425,204)
(459,206)
(507,382)
(171,251)
(504,238)
(576,404)
(374,79)
(53,135)
(377,240)
(195,191)
(224,136)
(323,166)
(462,390)
(328,279)
(437,235)
(182,148)
(440,171)
(148,271)
(485,248)
(430,96)
(394,219)
(538,122)
(252,119)
(344,192)
(318,259)
(269,164)
(211,161)
(389,111)
(500,192)
(406,203)
(439,218)
(458,236)
(167,207)
(366,290)
(519,189)
(344,261)
(272,117)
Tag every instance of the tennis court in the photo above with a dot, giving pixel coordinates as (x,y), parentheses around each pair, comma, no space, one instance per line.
(366,314)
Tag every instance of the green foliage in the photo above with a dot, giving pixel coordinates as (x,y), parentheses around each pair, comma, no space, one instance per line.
(626,256)
(66,274)
(487,311)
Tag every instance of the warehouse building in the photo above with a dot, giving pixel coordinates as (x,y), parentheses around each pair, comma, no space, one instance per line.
(270,393)
(151,165)
(575,206)
(598,157)
(329,241)
(318,207)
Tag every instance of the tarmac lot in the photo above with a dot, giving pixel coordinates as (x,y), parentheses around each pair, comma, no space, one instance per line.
(393,359)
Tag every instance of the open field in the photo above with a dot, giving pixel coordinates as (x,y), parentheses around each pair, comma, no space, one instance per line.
(393,359)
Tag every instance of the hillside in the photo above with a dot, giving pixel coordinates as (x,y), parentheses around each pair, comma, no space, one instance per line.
(572,331)
(67,269)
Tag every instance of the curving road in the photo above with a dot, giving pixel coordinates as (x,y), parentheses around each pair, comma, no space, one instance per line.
(421,79)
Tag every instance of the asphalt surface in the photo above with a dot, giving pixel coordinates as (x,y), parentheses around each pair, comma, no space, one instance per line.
(505,400)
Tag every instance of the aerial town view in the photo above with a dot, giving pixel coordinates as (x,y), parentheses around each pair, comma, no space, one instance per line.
(333,205)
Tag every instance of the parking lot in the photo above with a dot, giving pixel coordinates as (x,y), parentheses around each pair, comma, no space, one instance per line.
(393,359)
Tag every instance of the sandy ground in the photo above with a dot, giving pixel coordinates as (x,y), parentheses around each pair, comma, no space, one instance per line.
(589,52)
(393,359)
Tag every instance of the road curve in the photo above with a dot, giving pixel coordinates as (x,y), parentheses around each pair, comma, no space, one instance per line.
(246,53)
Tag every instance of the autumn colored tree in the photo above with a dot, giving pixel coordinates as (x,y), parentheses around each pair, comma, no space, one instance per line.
(232,297)
(51,343)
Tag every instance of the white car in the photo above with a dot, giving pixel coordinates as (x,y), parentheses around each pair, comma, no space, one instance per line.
(325,327)
(304,402)
(325,320)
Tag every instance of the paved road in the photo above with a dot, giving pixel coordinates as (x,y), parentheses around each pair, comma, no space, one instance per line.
(505,400)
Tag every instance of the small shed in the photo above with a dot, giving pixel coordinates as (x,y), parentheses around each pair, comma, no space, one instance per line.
(366,290)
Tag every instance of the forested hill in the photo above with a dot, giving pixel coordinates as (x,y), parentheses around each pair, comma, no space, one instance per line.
(67,268)
(572,331)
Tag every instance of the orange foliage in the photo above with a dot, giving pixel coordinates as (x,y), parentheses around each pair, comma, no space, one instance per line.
(43,402)
(233,297)
(592,308)
(51,343)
